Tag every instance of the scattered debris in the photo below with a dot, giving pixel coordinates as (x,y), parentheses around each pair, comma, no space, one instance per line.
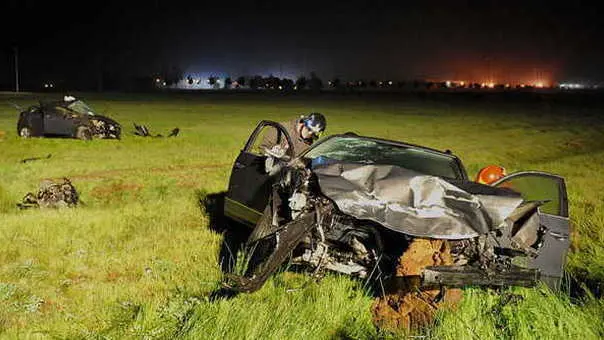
(52,194)
(143,131)
(25,160)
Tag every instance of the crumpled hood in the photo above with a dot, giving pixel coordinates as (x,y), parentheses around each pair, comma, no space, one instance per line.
(105,119)
(412,203)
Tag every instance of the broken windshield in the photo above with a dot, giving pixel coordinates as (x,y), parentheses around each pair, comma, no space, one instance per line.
(81,107)
(367,151)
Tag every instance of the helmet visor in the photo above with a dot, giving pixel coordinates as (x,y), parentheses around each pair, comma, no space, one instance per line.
(315,129)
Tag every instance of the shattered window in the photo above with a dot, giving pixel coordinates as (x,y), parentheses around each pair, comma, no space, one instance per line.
(366,151)
(81,107)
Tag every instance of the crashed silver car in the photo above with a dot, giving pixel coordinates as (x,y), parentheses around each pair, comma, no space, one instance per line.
(353,204)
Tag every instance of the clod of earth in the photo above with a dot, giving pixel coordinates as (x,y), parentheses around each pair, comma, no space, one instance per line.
(410,307)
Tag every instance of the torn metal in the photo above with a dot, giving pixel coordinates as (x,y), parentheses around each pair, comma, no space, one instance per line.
(52,194)
(143,131)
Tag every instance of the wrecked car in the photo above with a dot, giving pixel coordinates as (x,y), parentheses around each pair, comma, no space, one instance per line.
(69,117)
(355,205)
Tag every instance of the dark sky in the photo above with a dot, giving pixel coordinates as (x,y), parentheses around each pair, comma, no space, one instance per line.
(501,41)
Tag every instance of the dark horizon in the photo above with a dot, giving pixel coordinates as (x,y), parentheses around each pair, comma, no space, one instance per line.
(470,41)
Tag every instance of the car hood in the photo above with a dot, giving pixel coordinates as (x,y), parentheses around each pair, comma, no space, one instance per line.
(413,203)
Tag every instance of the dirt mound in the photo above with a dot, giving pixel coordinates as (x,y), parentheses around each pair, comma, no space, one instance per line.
(409,307)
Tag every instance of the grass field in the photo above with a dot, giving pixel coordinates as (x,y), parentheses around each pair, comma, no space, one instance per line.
(138,260)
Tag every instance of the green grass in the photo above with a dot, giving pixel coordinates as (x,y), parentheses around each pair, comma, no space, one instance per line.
(138,259)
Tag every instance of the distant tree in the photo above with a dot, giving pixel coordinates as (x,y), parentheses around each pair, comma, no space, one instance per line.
(190,80)
(227,82)
(256,82)
(373,83)
(315,83)
(173,75)
(272,82)
(301,83)
(241,81)
(287,84)
(212,80)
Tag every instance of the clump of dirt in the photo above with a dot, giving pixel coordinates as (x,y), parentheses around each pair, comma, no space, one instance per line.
(409,307)
(2,134)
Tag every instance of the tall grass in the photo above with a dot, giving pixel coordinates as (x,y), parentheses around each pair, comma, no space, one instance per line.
(138,259)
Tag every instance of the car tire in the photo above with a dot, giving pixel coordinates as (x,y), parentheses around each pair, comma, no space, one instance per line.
(83,133)
(25,132)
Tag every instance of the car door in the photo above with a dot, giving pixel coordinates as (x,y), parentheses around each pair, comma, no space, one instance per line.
(553,218)
(56,121)
(249,184)
(34,118)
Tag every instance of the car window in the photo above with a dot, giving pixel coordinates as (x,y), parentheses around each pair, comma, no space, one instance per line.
(268,137)
(367,151)
(536,188)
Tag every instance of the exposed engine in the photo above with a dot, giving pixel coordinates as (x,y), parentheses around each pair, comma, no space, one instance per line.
(104,129)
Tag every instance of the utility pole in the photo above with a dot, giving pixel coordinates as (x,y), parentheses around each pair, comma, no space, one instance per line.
(16,69)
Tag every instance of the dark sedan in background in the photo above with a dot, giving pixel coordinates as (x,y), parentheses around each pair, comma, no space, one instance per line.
(66,118)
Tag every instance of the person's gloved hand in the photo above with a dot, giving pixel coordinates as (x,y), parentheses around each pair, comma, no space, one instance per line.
(276,151)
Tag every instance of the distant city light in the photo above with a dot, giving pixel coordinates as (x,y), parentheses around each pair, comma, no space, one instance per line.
(572,86)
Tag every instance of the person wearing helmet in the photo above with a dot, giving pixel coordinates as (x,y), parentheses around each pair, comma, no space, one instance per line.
(303,132)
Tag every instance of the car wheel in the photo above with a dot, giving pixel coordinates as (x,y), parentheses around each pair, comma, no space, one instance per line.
(25,132)
(83,133)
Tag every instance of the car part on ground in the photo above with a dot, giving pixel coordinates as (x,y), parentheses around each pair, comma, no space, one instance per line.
(52,194)
(31,159)
(143,131)
(65,118)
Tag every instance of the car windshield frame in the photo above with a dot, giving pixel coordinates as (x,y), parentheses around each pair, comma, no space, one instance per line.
(337,148)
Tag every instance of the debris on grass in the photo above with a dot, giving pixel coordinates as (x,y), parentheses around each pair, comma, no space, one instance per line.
(51,194)
(25,160)
(143,131)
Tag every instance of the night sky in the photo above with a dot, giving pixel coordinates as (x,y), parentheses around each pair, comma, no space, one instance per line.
(478,41)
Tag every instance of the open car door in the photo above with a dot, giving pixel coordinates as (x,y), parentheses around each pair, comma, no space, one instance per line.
(250,185)
(554,227)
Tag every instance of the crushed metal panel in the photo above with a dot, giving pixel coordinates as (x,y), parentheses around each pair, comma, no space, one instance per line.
(412,203)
